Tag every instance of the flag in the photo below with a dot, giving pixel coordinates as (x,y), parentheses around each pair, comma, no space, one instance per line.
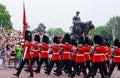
(24,20)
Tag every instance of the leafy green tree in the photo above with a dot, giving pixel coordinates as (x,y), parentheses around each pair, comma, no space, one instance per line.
(5,21)
(114,26)
(55,31)
(101,30)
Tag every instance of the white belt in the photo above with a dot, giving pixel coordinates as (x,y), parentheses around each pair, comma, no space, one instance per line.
(44,51)
(99,54)
(67,52)
(116,56)
(55,53)
(86,53)
(80,55)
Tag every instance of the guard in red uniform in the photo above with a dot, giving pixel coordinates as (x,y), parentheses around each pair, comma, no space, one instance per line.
(107,52)
(43,53)
(65,55)
(80,59)
(55,55)
(87,54)
(27,57)
(98,58)
(116,56)
(73,57)
(35,49)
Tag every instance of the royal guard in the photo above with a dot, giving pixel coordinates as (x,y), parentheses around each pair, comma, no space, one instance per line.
(87,54)
(65,55)
(56,49)
(26,57)
(107,52)
(73,57)
(43,53)
(80,59)
(35,49)
(115,55)
(98,58)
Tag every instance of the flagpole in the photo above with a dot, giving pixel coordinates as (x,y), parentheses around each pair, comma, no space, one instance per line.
(24,20)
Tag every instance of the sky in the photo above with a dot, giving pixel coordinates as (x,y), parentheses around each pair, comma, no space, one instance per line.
(59,13)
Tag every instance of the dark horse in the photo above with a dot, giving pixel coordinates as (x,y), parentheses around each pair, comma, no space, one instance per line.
(82,28)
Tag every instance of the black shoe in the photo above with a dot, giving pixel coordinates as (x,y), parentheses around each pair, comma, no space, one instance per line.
(30,76)
(47,73)
(26,70)
(71,76)
(55,70)
(16,68)
(37,71)
(16,75)
(57,74)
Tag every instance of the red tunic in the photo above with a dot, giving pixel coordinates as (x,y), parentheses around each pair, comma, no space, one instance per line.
(80,55)
(73,57)
(28,45)
(99,54)
(86,54)
(44,51)
(67,48)
(107,53)
(55,54)
(35,50)
(117,56)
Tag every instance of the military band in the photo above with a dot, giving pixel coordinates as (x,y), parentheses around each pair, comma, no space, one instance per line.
(70,56)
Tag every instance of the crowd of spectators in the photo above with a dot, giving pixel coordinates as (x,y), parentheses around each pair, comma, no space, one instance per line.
(8,47)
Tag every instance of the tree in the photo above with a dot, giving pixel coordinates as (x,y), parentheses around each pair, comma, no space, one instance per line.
(114,25)
(5,21)
(101,30)
(55,31)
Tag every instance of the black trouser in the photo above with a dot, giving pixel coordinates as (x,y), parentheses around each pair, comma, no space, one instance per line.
(35,59)
(112,66)
(82,67)
(88,64)
(95,67)
(57,62)
(22,65)
(65,63)
(41,62)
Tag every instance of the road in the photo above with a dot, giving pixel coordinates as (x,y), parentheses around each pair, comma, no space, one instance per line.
(8,73)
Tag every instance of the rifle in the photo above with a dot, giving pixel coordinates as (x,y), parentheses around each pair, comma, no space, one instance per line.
(112,55)
(61,49)
(92,50)
(76,50)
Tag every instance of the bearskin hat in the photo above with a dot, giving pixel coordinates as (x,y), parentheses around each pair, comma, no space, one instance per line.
(81,40)
(66,38)
(56,40)
(73,42)
(37,38)
(28,35)
(98,39)
(45,39)
(116,42)
(87,40)
(107,42)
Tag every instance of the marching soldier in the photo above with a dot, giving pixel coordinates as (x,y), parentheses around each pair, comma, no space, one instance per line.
(87,54)
(65,55)
(27,57)
(56,49)
(43,53)
(35,50)
(115,55)
(80,60)
(98,61)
